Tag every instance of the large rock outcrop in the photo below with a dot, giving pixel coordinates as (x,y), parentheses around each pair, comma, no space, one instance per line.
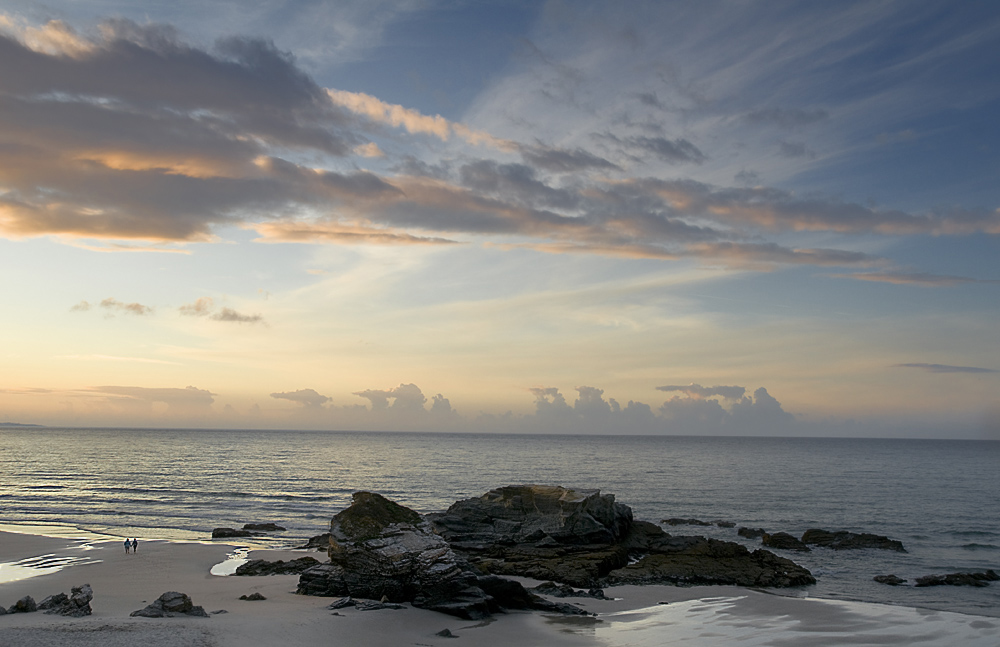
(585,539)
(384,551)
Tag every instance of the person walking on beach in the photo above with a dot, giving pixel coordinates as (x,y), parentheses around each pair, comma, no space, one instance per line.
(135,545)
(127,544)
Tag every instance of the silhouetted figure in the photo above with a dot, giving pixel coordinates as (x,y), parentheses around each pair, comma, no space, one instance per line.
(127,545)
(135,545)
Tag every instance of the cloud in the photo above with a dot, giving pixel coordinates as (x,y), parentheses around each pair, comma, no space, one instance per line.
(305,397)
(671,151)
(205,306)
(200,308)
(187,398)
(228,314)
(919,279)
(702,392)
(946,368)
(412,120)
(405,397)
(794,150)
(115,306)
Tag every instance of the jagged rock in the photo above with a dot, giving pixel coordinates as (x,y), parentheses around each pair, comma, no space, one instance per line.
(675,521)
(75,605)
(342,603)
(726,524)
(24,605)
(446,633)
(375,605)
(227,533)
(253,597)
(567,591)
(891,580)
(3,611)
(171,604)
(279,567)
(265,527)
(782,541)
(751,533)
(319,542)
(382,550)
(958,579)
(534,514)
(699,560)
(844,540)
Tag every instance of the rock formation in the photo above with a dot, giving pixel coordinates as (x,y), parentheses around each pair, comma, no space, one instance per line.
(844,540)
(227,533)
(24,605)
(264,527)
(280,567)
(958,579)
(384,551)
(891,580)
(585,539)
(751,533)
(381,550)
(75,605)
(782,541)
(171,604)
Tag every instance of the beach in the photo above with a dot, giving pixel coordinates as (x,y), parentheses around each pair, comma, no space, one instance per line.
(648,615)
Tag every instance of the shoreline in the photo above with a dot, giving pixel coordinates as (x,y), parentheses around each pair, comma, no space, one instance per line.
(640,615)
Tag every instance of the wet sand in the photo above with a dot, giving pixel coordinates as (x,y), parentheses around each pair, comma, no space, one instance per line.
(691,616)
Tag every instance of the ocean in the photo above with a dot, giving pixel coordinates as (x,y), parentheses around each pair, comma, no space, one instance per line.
(939,497)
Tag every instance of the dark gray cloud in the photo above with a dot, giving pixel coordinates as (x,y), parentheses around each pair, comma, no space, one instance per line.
(671,151)
(946,368)
(559,160)
(305,397)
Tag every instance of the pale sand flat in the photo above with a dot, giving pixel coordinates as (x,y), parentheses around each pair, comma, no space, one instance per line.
(699,616)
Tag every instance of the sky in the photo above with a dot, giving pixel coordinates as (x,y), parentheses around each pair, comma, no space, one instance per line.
(727,217)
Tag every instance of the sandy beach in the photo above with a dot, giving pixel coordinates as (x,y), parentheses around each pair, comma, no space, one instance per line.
(655,615)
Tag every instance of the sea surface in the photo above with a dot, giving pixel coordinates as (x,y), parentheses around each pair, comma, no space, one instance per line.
(941,498)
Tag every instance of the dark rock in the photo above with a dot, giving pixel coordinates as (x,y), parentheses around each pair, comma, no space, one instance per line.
(726,524)
(751,533)
(375,605)
(265,527)
(891,580)
(675,521)
(446,633)
(219,612)
(958,579)
(3,611)
(253,597)
(342,603)
(76,605)
(226,533)
(782,541)
(566,591)
(382,550)
(24,605)
(530,514)
(169,605)
(699,560)
(319,542)
(280,567)
(844,540)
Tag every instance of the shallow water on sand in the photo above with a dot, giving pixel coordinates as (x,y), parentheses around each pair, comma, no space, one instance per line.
(938,497)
